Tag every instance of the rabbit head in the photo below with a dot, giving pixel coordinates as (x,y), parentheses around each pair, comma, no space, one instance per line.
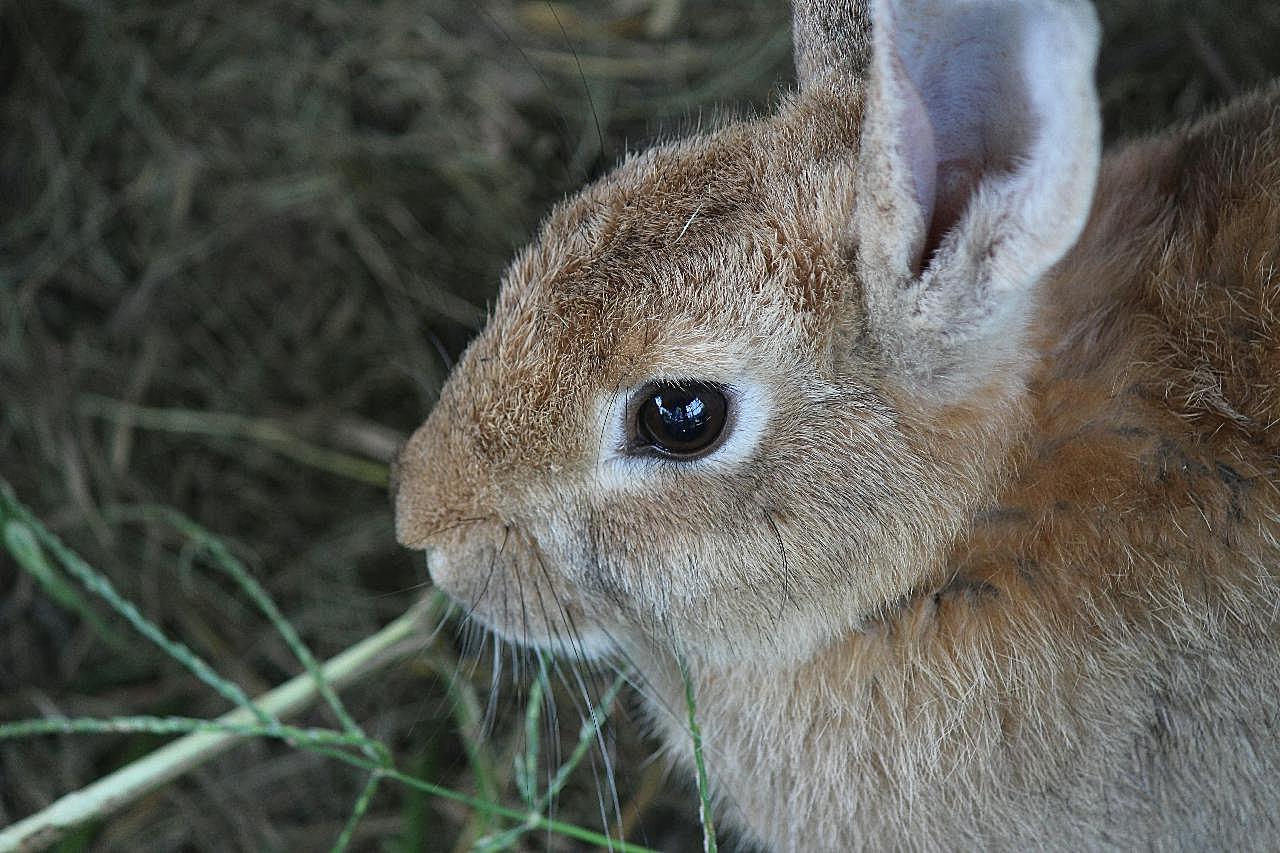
(741,392)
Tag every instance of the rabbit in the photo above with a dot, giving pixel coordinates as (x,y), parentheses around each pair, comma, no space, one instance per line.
(935,445)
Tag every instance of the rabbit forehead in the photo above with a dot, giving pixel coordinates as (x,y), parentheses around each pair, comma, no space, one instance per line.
(693,245)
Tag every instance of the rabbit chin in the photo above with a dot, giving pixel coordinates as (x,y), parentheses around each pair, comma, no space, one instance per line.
(494,587)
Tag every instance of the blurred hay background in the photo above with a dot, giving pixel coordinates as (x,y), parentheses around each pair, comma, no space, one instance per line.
(295,212)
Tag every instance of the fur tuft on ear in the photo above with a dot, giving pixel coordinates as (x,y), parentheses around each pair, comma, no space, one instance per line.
(979,155)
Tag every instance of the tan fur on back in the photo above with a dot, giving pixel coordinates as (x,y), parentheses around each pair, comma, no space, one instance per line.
(1043,616)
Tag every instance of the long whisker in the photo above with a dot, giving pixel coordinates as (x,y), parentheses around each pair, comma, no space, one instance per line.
(451,609)
(595,116)
(484,589)
(495,679)
(579,662)
(604,424)
(453,525)
(635,678)
(491,706)
(524,612)
(551,95)
(786,567)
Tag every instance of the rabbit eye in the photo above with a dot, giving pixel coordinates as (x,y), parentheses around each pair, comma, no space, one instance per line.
(682,420)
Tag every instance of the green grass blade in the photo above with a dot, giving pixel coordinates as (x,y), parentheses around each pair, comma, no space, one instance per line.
(704,792)
(358,811)
(527,761)
(202,739)
(22,545)
(587,735)
(206,738)
(227,562)
(95,582)
(468,720)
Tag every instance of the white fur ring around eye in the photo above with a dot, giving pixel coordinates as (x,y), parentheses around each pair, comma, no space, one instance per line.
(635,428)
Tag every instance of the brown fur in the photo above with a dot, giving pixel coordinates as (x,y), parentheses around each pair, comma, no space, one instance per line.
(1043,615)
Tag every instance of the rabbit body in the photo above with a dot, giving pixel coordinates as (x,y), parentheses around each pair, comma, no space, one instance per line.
(1094,667)
(991,554)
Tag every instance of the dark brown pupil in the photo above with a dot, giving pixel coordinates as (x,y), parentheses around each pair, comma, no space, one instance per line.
(682,419)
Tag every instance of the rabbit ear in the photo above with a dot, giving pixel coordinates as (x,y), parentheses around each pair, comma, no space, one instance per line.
(979,154)
(831,37)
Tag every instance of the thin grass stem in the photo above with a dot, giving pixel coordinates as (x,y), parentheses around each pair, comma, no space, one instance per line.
(704,791)
(95,582)
(227,562)
(205,738)
(358,812)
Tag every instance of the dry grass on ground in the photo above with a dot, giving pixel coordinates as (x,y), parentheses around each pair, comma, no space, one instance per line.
(294,212)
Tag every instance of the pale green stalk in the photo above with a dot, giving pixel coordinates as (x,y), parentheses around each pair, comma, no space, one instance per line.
(704,790)
(122,787)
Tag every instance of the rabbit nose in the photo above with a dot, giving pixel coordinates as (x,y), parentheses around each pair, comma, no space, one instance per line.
(435,489)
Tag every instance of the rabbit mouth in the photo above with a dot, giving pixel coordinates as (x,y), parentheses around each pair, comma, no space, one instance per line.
(501,579)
